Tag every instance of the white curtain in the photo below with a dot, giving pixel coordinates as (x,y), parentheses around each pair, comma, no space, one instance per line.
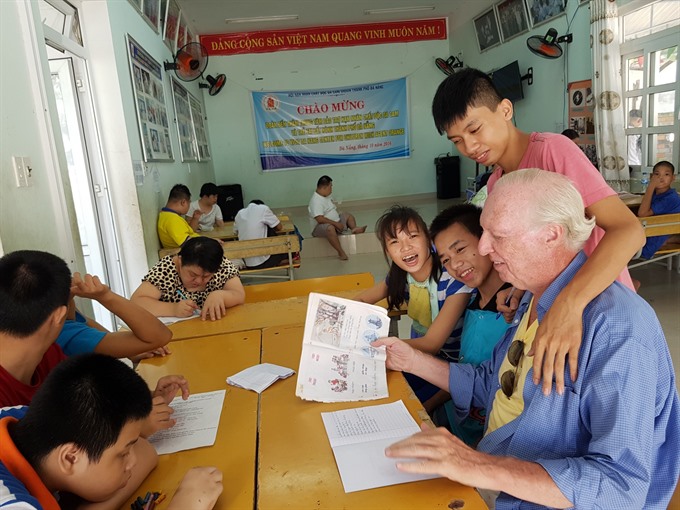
(610,138)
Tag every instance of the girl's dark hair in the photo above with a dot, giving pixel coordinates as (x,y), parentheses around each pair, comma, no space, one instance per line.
(203,252)
(397,218)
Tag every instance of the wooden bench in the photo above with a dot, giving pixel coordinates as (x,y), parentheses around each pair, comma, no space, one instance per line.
(663,224)
(288,244)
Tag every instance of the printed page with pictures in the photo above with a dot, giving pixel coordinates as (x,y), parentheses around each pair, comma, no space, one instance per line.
(338,363)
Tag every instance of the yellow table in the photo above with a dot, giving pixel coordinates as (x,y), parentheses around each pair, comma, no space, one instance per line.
(260,315)
(206,363)
(226,232)
(296,467)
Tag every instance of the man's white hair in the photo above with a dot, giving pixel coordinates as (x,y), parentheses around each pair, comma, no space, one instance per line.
(555,200)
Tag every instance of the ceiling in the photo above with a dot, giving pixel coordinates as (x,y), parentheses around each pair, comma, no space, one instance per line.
(207,16)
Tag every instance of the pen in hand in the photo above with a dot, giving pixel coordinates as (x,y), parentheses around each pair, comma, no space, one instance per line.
(507,301)
(183,296)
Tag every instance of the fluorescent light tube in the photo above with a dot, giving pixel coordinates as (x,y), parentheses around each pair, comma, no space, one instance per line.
(261,19)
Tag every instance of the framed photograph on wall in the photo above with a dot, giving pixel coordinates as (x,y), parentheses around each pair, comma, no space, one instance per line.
(512,18)
(149,95)
(181,32)
(171,23)
(151,11)
(199,129)
(185,126)
(486,28)
(541,11)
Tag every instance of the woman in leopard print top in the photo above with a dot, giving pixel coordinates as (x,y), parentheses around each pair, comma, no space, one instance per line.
(199,279)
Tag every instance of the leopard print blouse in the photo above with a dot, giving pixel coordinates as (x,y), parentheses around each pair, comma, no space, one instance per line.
(165,277)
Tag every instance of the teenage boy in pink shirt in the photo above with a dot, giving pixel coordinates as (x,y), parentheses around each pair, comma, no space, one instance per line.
(478,120)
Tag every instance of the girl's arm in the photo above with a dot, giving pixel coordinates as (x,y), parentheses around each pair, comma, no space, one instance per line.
(374,294)
(443,324)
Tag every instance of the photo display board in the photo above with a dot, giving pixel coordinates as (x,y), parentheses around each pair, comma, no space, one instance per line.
(149,95)
(199,129)
(187,147)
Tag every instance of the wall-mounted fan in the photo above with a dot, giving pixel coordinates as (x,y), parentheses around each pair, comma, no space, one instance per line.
(190,62)
(215,84)
(548,46)
(449,65)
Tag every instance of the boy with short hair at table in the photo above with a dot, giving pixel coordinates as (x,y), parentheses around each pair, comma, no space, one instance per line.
(79,445)
(34,292)
(204,214)
(478,120)
(659,198)
(173,229)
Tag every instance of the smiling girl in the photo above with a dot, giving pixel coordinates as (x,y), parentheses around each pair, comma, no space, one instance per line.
(434,299)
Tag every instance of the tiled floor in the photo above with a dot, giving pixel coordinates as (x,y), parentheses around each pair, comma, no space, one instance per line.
(660,287)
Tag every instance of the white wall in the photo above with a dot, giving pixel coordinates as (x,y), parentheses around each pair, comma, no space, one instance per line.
(123,20)
(36,217)
(232,131)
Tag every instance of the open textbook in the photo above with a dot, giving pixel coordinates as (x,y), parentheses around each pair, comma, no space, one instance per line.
(338,363)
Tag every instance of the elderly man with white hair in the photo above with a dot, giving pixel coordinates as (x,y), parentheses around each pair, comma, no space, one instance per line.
(612,438)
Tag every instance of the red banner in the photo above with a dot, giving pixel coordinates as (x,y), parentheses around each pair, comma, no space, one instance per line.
(325,37)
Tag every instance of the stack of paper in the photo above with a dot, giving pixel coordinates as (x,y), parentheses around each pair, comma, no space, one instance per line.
(359,437)
(259,377)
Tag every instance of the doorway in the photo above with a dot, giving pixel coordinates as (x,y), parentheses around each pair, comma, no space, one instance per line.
(86,175)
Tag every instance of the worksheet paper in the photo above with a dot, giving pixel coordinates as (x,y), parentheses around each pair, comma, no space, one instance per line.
(196,426)
(359,437)
(171,320)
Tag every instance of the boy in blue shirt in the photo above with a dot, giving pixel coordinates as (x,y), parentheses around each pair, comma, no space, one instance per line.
(659,198)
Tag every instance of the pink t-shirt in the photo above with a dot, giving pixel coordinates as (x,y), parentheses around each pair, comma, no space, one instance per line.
(557,153)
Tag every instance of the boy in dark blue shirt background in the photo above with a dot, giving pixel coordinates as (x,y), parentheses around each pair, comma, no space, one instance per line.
(659,198)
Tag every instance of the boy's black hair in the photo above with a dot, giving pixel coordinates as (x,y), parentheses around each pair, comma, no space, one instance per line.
(635,114)
(664,163)
(208,189)
(572,134)
(324,180)
(203,252)
(462,90)
(179,192)
(397,218)
(33,284)
(257,201)
(86,400)
(467,215)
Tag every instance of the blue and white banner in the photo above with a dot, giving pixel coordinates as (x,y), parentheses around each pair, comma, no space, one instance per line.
(332,126)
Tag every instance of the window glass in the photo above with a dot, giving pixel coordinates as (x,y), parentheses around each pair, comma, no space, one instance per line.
(662,106)
(664,65)
(651,19)
(660,147)
(635,68)
(52,17)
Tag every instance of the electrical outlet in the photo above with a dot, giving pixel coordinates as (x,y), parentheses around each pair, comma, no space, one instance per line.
(20,171)
(28,166)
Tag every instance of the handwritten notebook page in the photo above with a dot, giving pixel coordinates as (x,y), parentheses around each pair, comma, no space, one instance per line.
(359,437)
